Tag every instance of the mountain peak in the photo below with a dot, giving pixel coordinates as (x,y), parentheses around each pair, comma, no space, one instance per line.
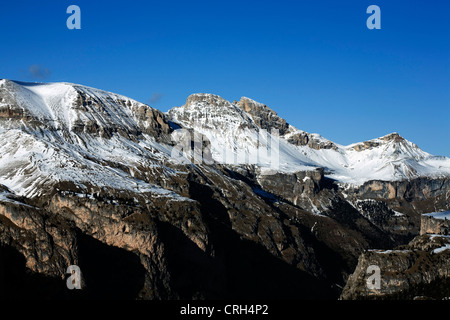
(77,109)
(211,110)
(207,99)
(394,136)
(377,142)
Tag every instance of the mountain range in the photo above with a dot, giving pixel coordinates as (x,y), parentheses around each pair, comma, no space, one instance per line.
(213,199)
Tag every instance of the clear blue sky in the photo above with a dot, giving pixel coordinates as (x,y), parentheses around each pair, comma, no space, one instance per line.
(313,62)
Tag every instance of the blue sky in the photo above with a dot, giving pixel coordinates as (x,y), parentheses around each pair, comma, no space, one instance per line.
(314,62)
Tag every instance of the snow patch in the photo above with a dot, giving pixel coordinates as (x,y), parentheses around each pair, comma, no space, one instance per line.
(441,249)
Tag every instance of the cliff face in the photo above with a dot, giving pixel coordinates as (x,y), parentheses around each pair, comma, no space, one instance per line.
(219,242)
(432,225)
(229,229)
(420,189)
(264,117)
(420,269)
(72,230)
(295,187)
(398,205)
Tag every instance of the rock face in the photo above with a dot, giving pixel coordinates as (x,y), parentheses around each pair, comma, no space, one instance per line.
(419,269)
(434,224)
(420,189)
(306,139)
(148,120)
(293,187)
(395,137)
(89,178)
(263,116)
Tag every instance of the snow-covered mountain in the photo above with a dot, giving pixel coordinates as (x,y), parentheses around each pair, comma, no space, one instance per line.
(65,132)
(235,129)
(60,132)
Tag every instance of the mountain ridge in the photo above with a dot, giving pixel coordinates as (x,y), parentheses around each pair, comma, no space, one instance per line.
(397,157)
(88,173)
(235,132)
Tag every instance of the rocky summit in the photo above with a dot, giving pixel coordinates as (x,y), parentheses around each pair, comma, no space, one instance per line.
(213,199)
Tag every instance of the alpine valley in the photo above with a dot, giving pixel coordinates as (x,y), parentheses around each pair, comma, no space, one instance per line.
(88,178)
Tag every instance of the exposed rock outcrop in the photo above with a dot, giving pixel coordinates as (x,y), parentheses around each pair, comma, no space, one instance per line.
(263,116)
(430,224)
(419,269)
(293,187)
(310,140)
(420,189)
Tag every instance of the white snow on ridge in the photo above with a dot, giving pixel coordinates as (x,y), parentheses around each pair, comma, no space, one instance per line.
(441,249)
(234,137)
(53,99)
(389,251)
(390,158)
(55,103)
(32,158)
(28,164)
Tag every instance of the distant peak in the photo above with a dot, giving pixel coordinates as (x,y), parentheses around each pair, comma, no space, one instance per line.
(209,109)
(205,97)
(393,137)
